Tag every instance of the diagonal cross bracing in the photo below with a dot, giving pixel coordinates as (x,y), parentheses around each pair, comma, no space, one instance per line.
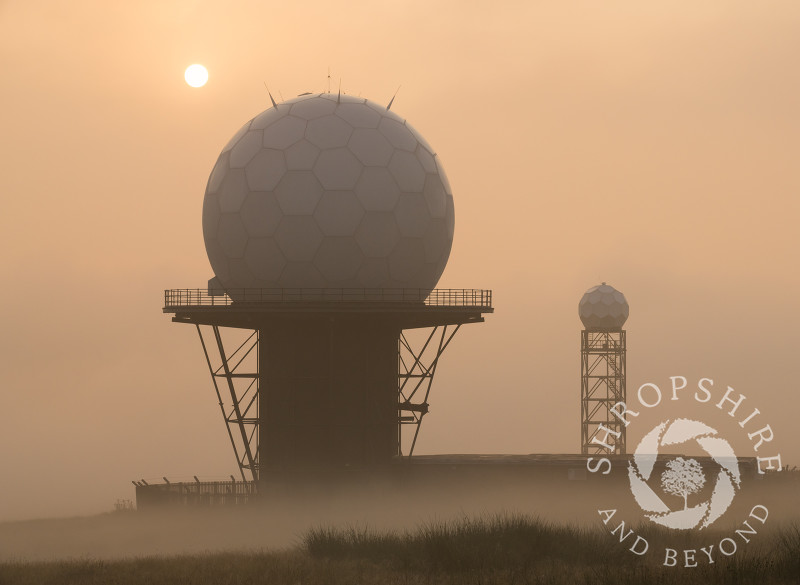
(241,399)
(422,368)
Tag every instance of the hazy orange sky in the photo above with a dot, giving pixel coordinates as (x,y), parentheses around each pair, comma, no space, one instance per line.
(652,145)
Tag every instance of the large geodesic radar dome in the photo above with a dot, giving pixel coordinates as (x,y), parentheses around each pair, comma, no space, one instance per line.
(603,308)
(328,191)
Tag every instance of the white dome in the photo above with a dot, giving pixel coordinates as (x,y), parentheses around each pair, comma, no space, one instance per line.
(603,307)
(323,191)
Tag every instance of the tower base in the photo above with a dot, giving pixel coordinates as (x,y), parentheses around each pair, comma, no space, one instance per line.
(324,380)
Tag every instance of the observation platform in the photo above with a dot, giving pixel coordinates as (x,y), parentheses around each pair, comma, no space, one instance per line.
(414,307)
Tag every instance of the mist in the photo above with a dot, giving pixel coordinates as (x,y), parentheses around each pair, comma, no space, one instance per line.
(380,506)
(651,146)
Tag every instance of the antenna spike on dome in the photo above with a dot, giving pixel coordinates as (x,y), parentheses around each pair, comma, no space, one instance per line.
(272,99)
(389,107)
(339,97)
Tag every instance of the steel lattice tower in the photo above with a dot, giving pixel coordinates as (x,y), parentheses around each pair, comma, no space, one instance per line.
(603,310)
(602,386)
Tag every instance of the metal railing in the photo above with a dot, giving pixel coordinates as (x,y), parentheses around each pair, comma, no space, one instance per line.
(197,493)
(440,297)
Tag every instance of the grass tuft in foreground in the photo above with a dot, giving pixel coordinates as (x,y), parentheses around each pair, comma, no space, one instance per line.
(506,549)
(469,545)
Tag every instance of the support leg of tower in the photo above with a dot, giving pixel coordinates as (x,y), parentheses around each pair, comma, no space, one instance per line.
(415,372)
(239,405)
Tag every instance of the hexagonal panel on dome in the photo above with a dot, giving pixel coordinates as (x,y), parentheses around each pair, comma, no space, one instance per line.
(328,132)
(598,309)
(284,132)
(265,170)
(264,258)
(394,117)
(298,237)
(218,174)
(337,169)
(377,190)
(338,213)
(378,234)
(232,192)
(407,171)
(428,275)
(299,98)
(344,98)
(371,147)
(422,142)
(301,275)
(245,149)
(435,196)
(443,176)
(374,273)
(397,134)
(450,217)
(239,133)
(301,156)
(298,193)
(378,108)
(210,216)
(338,259)
(609,300)
(426,160)
(315,107)
(406,259)
(217,258)
(435,240)
(358,116)
(261,214)
(241,275)
(231,235)
(269,116)
(412,215)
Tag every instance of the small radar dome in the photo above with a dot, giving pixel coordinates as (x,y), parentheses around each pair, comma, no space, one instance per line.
(602,308)
(327,191)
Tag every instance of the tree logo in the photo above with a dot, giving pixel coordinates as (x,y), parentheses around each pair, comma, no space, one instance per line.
(684,477)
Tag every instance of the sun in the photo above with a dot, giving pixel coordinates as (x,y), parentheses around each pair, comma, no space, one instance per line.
(196,75)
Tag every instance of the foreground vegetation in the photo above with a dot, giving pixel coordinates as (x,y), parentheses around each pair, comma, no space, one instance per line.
(501,549)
